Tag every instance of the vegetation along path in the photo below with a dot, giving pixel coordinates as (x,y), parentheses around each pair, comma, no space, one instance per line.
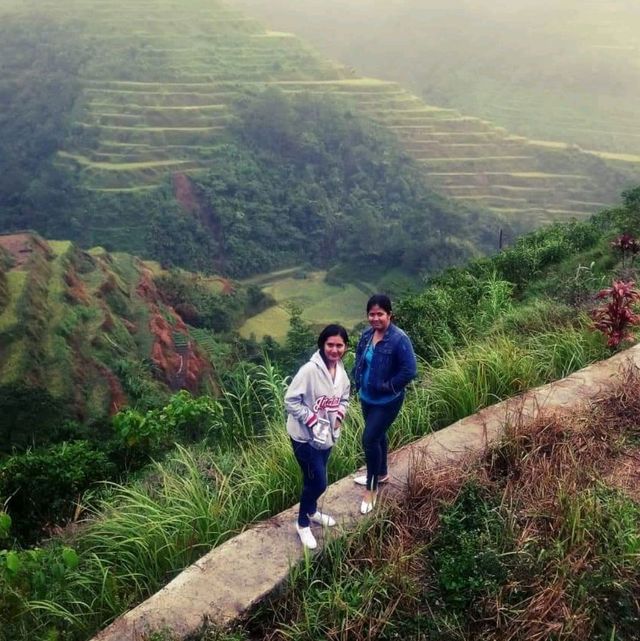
(225,583)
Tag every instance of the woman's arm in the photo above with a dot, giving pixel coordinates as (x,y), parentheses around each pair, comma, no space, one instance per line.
(357,365)
(295,399)
(407,367)
(344,400)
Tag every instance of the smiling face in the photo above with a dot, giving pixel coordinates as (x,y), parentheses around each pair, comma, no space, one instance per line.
(334,348)
(379,319)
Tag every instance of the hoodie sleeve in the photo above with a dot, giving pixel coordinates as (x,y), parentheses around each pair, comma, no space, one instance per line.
(296,401)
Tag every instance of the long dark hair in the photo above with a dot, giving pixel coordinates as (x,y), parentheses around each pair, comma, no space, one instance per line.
(328,332)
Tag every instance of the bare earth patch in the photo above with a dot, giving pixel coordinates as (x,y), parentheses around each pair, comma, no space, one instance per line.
(20,246)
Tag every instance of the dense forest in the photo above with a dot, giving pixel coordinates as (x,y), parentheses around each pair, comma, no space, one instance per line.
(39,64)
(306,181)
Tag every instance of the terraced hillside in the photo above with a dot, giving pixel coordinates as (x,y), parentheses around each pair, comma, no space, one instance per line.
(143,134)
(160,90)
(566,71)
(163,78)
(85,333)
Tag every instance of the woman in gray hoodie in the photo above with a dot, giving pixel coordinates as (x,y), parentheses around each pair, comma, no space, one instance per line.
(316,403)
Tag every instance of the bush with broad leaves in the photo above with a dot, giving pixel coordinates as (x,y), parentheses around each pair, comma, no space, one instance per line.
(616,318)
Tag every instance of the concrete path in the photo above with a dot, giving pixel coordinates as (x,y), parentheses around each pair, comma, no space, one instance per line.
(227,581)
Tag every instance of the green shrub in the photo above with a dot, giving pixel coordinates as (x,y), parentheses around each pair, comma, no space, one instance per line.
(29,416)
(536,251)
(42,486)
(539,315)
(137,379)
(29,576)
(467,551)
(452,310)
(145,435)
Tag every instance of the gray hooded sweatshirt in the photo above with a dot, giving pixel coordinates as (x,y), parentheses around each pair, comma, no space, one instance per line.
(313,396)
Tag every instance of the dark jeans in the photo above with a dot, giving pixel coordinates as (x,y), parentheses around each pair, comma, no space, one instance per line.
(313,464)
(377,420)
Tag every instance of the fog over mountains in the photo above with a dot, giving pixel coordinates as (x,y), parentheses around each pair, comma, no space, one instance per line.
(567,71)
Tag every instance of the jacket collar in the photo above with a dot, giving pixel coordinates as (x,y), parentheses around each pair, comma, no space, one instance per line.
(368,333)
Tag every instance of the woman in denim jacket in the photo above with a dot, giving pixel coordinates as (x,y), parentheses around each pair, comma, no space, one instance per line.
(385,364)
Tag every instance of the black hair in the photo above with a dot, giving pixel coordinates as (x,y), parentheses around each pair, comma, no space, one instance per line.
(381,300)
(328,332)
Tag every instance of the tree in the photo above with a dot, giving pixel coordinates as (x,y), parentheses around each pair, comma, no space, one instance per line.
(299,344)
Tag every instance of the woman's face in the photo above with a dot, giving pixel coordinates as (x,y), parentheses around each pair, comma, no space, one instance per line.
(378,318)
(334,349)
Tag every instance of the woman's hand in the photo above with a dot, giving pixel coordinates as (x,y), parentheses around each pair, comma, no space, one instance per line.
(383,388)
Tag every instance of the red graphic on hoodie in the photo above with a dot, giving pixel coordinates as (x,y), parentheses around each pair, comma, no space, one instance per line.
(329,403)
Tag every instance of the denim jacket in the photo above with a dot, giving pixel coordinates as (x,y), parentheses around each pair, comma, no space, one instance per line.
(393,365)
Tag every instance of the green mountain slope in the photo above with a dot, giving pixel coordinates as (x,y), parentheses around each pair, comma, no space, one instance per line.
(84,334)
(152,104)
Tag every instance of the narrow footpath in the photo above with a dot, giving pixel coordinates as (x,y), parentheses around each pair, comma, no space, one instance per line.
(229,580)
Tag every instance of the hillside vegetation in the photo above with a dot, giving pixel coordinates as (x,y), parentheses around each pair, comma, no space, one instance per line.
(138,152)
(85,334)
(484,332)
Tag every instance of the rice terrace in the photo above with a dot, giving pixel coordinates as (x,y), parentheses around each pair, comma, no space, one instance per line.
(320,302)
(161,105)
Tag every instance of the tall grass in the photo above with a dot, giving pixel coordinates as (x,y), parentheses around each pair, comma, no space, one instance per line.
(531,542)
(252,396)
(142,534)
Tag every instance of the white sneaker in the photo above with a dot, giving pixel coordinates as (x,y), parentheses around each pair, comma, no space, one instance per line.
(322,519)
(362,480)
(307,538)
(366,507)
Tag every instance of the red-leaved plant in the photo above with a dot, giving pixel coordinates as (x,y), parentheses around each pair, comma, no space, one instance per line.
(615,318)
(626,244)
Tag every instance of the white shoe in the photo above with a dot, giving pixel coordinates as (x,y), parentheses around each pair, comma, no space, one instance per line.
(307,538)
(362,480)
(366,507)
(322,519)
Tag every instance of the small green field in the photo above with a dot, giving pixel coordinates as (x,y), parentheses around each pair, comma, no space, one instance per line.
(321,304)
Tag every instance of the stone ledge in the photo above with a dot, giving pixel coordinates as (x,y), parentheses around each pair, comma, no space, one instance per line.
(229,580)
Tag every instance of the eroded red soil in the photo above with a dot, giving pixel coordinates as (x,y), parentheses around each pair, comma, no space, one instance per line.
(20,246)
(183,367)
(184,193)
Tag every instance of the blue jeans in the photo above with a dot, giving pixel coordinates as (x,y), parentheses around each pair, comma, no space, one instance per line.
(313,464)
(377,420)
